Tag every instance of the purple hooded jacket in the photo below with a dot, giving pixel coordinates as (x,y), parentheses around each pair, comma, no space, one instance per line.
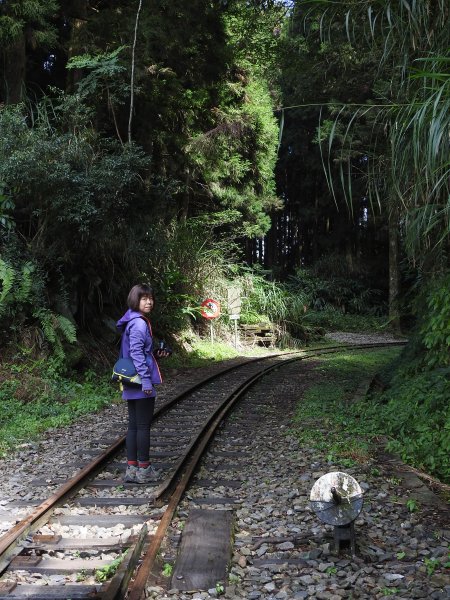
(137,344)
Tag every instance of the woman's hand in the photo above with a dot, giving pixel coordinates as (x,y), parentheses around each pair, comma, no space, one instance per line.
(148,392)
(162,353)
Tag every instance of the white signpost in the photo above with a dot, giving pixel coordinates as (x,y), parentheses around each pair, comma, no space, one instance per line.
(234,308)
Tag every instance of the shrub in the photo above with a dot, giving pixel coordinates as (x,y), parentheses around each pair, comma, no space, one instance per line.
(342,292)
(415,411)
(186,264)
(18,287)
(435,323)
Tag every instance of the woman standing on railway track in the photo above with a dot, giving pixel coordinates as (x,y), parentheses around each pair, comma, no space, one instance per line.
(137,344)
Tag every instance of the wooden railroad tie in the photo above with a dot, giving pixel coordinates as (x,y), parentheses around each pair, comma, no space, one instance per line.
(262,334)
(205,550)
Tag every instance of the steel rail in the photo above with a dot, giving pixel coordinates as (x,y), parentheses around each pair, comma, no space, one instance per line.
(9,541)
(190,461)
(42,512)
(168,482)
(117,587)
(39,515)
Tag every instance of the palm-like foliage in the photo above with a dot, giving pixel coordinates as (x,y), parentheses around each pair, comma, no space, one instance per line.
(408,122)
(420,159)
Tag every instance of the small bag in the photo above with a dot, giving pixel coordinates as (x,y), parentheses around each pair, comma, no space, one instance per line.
(124,372)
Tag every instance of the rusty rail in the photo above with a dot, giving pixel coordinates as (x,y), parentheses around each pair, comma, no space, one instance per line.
(8,542)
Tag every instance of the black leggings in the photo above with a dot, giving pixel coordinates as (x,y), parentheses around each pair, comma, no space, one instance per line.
(140,414)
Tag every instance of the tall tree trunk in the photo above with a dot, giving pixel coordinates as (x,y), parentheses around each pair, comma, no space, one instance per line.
(315,235)
(14,61)
(349,254)
(186,195)
(270,245)
(394,272)
(76,11)
(133,56)
(249,251)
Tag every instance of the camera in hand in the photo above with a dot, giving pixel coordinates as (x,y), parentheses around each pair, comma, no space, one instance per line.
(162,347)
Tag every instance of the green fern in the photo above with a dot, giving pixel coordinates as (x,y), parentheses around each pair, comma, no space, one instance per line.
(10,296)
(46,321)
(56,329)
(67,329)
(7,276)
(17,288)
(23,292)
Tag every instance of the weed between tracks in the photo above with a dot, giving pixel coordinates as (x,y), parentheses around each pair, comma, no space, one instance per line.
(108,571)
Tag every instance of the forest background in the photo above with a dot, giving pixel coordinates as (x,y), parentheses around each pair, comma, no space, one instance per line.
(295,150)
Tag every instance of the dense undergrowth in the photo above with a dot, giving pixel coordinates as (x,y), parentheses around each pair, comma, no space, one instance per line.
(46,383)
(413,412)
(34,400)
(301,308)
(37,395)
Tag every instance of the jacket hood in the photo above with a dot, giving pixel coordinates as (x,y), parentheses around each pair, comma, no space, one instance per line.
(126,318)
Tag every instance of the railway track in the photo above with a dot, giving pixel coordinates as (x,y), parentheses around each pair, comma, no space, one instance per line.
(50,546)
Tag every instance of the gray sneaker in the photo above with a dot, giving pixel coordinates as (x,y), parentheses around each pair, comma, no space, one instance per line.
(130,474)
(147,475)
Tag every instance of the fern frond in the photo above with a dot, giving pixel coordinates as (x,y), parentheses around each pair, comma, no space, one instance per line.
(47,323)
(26,282)
(67,329)
(7,276)
(56,329)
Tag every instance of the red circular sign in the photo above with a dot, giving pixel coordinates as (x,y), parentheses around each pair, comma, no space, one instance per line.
(211,308)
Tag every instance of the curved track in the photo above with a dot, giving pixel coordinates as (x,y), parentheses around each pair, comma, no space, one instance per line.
(128,516)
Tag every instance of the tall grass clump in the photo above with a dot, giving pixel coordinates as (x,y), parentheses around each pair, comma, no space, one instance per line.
(187,263)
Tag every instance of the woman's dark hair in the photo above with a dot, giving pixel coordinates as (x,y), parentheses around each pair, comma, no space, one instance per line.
(136,293)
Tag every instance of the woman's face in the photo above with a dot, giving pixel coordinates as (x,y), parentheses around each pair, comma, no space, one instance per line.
(146,305)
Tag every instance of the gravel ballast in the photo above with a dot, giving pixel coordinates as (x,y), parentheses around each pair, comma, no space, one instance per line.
(281,550)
